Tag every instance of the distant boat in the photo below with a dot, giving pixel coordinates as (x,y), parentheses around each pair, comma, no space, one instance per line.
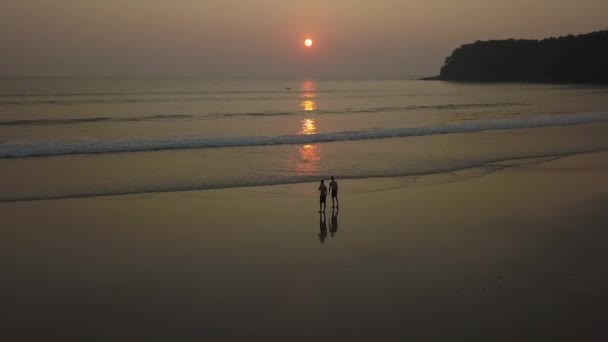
(288,88)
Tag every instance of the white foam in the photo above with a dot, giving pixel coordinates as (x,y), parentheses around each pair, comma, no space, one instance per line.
(57,147)
(477,168)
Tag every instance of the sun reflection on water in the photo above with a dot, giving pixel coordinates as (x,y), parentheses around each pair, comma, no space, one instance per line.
(309,126)
(308,103)
(308,158)
(309,86)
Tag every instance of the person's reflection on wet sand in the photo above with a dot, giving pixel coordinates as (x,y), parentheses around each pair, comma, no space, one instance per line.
(322,227)
(333,224)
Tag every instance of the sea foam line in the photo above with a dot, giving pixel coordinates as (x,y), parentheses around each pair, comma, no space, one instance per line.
(484,167)
(167,117)
(57,147)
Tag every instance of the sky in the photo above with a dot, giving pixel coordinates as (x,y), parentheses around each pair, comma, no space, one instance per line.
(265,38)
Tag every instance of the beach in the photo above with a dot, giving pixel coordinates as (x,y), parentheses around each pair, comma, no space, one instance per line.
(168,171)
(513,250)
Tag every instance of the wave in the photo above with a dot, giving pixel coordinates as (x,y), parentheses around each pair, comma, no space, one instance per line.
(92,120)
(22,100)
(164,117)
(438,107)
(148,100)
(101,101)
(481,168)
(190,92)
(16,99)
(58,147)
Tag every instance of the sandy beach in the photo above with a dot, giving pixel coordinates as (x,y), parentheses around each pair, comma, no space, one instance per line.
(161,163)
(512,251)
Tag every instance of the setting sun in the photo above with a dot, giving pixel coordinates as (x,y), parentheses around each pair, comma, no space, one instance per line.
(308,42)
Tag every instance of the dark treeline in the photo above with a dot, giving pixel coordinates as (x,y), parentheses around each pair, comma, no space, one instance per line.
(569,59)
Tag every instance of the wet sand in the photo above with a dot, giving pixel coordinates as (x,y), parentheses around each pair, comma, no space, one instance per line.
(502,253)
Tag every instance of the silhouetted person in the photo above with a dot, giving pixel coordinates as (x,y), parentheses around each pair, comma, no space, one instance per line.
(333,188)
(322,196)
(333,224)
(322,227)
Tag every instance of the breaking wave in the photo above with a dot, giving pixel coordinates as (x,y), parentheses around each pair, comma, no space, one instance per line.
(58,147)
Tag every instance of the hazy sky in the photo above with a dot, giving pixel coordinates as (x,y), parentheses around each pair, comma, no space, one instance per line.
(385,38)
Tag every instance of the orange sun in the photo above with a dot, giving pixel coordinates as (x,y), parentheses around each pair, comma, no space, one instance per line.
(308,42)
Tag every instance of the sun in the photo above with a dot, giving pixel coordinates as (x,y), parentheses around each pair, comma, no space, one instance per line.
(308,42)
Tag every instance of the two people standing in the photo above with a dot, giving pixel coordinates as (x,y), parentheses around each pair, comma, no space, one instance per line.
(333,188)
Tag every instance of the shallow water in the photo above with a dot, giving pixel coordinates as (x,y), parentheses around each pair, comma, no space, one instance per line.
(89,137)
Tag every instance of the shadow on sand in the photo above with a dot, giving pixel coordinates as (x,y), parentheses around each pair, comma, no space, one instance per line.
(333,224)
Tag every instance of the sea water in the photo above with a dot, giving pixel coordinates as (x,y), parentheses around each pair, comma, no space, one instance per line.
(89,137)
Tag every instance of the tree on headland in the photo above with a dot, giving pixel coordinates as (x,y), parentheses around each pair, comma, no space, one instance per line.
(569,59)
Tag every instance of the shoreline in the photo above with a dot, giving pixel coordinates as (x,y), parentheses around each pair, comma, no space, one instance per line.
(522,248)
(475,169)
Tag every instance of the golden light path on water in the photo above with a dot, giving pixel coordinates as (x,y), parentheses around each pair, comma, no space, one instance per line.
(308,105)
(309,126)
(308,102)
(309,158)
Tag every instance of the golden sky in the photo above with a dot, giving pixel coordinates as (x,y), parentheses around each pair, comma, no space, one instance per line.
(375,38)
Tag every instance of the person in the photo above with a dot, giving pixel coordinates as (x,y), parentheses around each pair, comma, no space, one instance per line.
(333,188)
(322,197)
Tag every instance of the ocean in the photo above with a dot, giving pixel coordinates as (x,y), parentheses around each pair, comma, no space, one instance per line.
(92,137)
